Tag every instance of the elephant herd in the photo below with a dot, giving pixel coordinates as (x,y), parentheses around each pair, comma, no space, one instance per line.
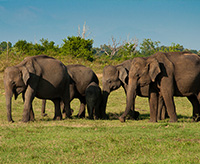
(159,77)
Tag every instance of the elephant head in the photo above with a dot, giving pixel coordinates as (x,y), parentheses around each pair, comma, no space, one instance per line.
(113,78)
(143,71)
(15,82)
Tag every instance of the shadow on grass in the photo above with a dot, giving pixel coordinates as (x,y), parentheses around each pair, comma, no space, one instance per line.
(115,116)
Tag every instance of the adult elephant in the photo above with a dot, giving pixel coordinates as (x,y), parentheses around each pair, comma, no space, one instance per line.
(80,78)
(117,76)
(167,74)
(38,76)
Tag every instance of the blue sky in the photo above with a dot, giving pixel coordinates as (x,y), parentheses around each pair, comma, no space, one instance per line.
(167,21)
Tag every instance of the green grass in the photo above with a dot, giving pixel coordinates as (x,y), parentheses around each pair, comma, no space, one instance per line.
(100,141)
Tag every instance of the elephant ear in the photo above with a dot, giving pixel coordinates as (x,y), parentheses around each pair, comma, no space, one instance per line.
(71,76)
(123,74)
(154,69)
(30,67)
(25,74)
(33,67)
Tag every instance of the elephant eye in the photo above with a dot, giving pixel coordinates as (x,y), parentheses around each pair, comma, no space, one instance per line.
(137,75)
(109,81)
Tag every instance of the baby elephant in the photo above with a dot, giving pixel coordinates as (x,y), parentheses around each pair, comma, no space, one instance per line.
(93,98)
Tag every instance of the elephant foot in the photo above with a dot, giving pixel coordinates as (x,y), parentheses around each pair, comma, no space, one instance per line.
(122,119)
(11,120)
(106,117)
(196,119)
(96,117)
(57,118)
(80,116)
(32,119)
(44,114)
(173,120)
(152,121)
(136,115)
(25,120)
(90,118)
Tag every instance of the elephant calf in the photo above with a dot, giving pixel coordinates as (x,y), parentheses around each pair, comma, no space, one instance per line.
(93,97)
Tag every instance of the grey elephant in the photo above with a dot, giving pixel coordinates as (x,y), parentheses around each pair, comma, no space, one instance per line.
(169,74)
(80,77)
(93,97)
(37,76)
(117,76)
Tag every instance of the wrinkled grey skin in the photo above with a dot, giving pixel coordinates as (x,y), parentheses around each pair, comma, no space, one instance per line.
(37,77)
(117,76)
(167,75)
(80,77)
(93,97)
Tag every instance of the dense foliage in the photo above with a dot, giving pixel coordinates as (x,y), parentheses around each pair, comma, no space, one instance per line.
(79,47)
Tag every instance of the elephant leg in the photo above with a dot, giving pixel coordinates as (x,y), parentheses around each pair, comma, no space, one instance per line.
(153,103)
(133,114)
(164,113)
(196,107)
(43,108)
(130,102)
(28,110)
(97,111)
(57,115)
(161,109)
(81,113)
(170,105)
(90,108)
(32,116)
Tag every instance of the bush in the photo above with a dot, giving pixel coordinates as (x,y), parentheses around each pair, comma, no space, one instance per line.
(78,47)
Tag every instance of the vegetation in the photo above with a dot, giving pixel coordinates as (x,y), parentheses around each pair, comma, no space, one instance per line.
(94,141)
(99,141)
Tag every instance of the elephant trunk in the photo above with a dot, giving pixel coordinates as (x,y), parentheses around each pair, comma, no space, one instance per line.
(9,94)
(130,103)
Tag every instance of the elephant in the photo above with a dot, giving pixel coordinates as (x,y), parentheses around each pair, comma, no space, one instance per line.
(93,96)
(37,76)
(167,74)
(80,77)
(117,76)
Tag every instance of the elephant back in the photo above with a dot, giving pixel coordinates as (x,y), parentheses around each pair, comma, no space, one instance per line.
(82,76)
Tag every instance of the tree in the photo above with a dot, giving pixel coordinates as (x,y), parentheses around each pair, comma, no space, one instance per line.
(120,50)
(48,46)
(148,47)
(5,45)
(173,48)
(84,31)
(23,46)
(112,49)
(78,47)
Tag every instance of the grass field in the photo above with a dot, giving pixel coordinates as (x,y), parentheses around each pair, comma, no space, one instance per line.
(99,141)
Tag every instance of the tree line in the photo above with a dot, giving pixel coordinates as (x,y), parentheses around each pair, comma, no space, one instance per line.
(79,47)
